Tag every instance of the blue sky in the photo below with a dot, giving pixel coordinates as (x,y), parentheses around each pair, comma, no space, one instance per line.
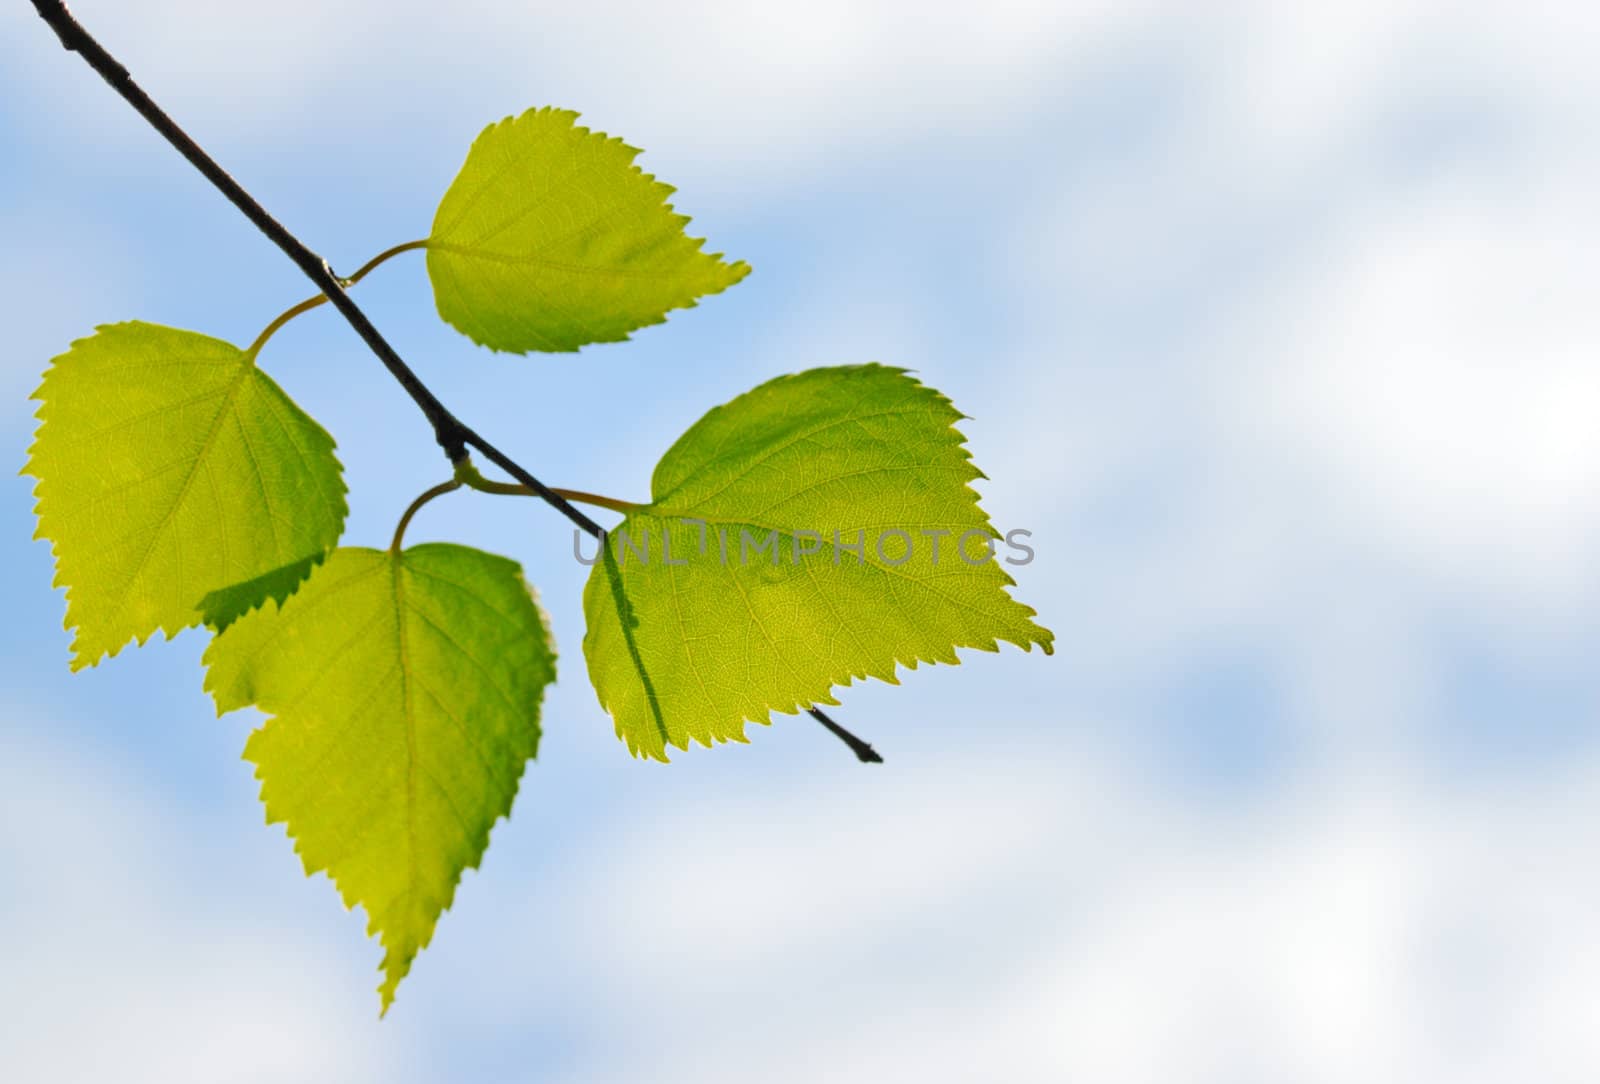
(1277,329)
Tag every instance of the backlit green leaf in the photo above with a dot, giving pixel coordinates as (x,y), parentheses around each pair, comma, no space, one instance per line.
(550,238)
(170,467)
(404,692)
(726,598)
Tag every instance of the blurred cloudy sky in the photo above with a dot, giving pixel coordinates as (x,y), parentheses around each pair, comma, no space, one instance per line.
(1278,326)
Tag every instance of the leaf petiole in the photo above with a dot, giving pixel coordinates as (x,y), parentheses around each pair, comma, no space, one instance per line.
(416,506)
(322,299)
(467,475)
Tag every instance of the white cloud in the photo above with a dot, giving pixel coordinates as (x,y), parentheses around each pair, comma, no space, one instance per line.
(117,966)
(776,92)
(1308,342)
(1436,373)
(1048,916)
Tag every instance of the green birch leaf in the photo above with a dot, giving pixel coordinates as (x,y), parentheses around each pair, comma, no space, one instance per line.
(726,598)
(404,694)
(550,237)
(170,467)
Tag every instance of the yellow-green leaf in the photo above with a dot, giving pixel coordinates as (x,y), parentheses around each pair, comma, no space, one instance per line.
(550,237)
(404,691)
(727,597)
(170,467)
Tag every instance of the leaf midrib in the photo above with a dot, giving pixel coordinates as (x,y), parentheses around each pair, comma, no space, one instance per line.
(229,399)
